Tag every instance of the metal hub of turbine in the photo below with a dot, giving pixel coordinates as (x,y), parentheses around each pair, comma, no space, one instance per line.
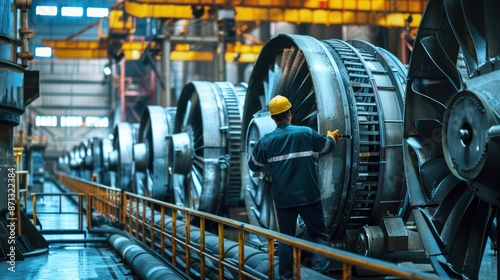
(351,86)
(451,132)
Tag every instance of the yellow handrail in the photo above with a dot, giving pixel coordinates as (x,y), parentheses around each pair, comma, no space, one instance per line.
(134,210)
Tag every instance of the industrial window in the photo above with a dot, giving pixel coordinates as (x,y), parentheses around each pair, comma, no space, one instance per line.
(46,10)
(71,121)
(96,122)
(43,51)
(72,11)
(97,12)
(46,121)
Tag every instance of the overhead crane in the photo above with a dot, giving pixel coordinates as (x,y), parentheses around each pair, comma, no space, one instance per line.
(386,13)
(362,12)
(133,50)
(119,42)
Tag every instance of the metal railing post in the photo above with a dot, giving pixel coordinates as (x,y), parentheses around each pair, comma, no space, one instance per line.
(241,252)
(220,233)
(162,236)
(296,263)
(152,225)
(80,213)
(143,222)
(202,248)
(270,258)
(187,240)
(34,208)
(89,211)
(174,232)
(346,271)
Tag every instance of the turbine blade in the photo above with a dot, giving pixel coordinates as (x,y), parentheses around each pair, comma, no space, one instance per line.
(492,23)
(468,26)
(439,54)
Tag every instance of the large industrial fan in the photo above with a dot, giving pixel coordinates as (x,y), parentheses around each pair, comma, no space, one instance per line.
(97,159)
(452,132)
(74,161)
(352,86)
(121,159)
(204,150)
(150,153)
(83,156)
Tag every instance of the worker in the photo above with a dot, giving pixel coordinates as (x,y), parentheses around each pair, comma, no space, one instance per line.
(287,155)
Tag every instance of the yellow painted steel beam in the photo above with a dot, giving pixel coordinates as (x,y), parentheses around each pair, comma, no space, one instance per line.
(242,53)
(92,49)
(118,25)
(388,13)
(303,16)
(133,50)
(361,5)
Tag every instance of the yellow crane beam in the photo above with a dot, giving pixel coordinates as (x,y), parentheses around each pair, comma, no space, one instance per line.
(119,24)
(133,50)
(389,13)
(92,49)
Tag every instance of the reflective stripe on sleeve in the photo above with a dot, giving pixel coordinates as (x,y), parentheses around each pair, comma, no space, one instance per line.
(290,156)
(256,162)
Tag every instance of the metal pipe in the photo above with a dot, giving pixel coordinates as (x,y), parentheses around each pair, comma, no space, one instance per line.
(78,240)
(25,32)
(141,261)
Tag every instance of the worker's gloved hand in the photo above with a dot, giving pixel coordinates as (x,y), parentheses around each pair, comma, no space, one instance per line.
(334,134)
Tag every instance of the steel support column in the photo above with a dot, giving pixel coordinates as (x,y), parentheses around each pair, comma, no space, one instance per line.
(164,100)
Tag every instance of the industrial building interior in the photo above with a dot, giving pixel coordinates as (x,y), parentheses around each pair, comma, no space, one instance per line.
(126,127)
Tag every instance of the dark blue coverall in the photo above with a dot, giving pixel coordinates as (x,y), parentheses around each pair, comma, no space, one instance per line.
(287,153)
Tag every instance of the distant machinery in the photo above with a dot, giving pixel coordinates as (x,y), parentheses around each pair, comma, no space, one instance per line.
(75,161)
(189,155)
(98,159)
(34,162)
(84,155)
(121,159)
(95,163)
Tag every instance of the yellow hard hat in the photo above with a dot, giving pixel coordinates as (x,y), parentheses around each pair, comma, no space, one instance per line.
(278,105)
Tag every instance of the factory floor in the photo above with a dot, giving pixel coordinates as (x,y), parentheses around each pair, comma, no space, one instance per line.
(68,256)
(95,260)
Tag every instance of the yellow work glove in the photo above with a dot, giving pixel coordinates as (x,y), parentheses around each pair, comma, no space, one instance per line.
(334,134)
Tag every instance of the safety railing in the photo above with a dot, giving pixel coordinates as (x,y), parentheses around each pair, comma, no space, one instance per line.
(145,219)
(79,213)
(105,201)
(21,183)
(139,220)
